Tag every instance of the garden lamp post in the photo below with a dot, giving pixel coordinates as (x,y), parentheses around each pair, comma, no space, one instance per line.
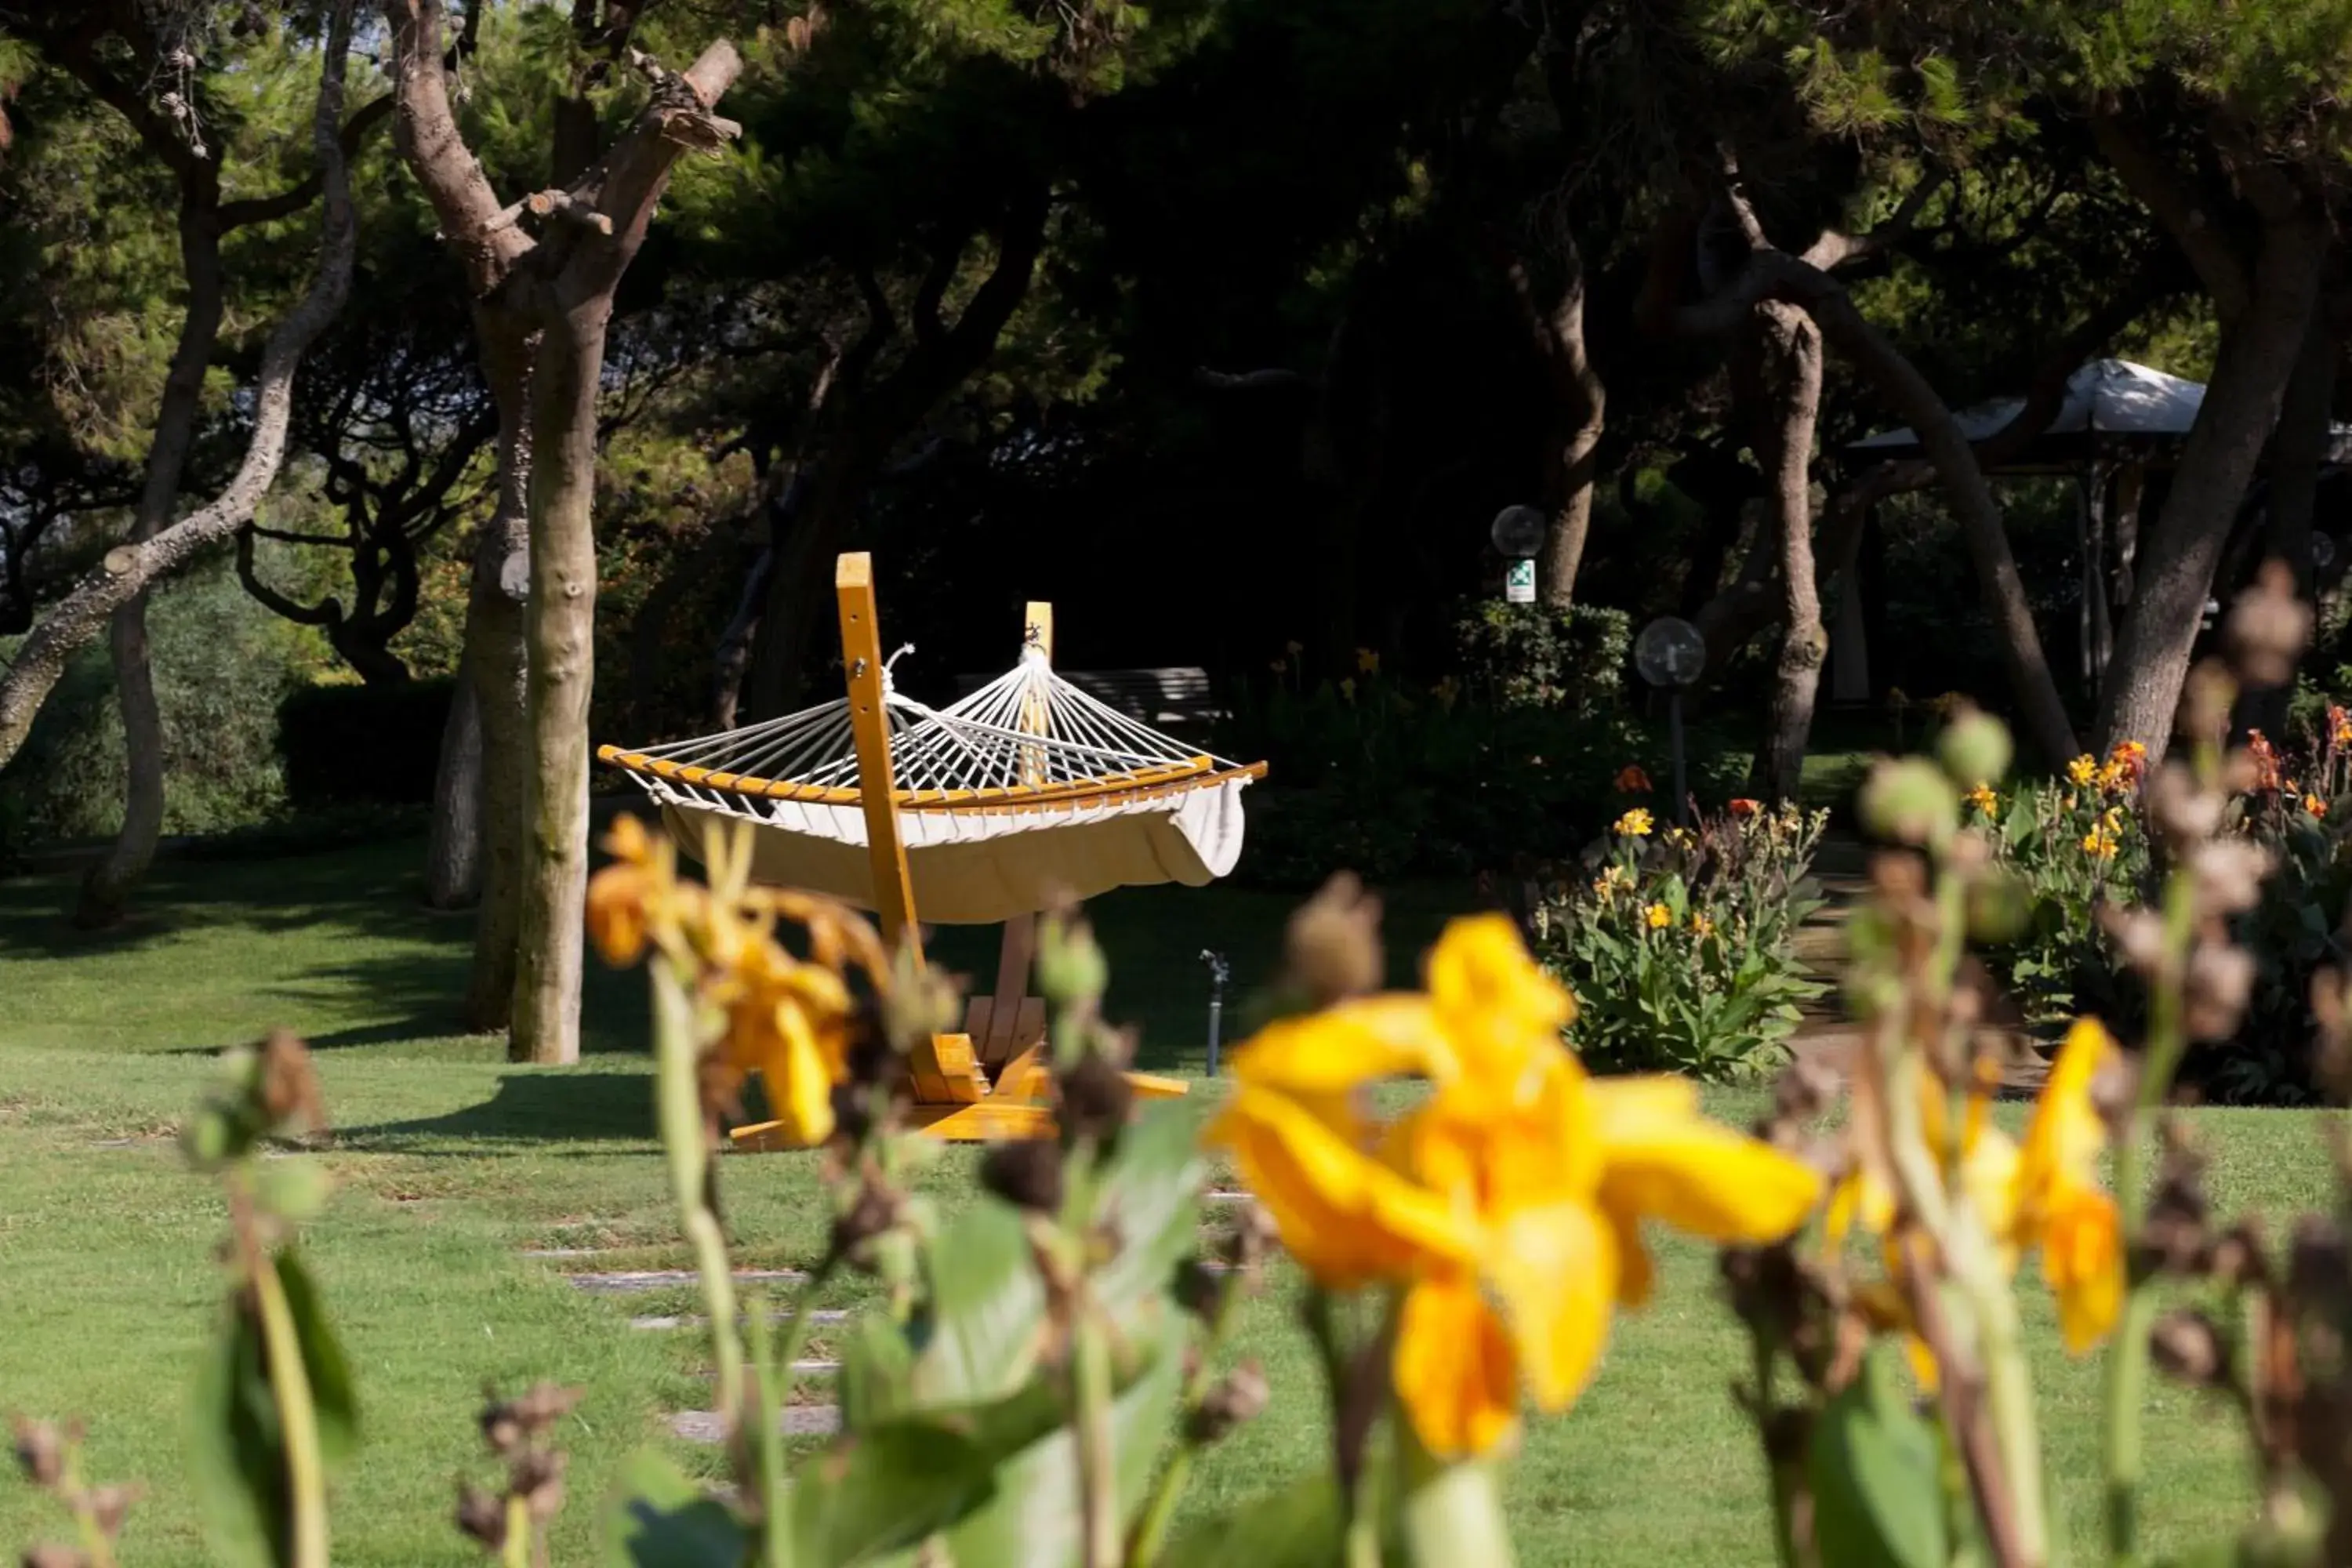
(1219,972)
(1670,654)
(1518,533)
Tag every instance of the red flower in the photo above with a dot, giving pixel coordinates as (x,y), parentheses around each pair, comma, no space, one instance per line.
(1745,807)
(1633,780)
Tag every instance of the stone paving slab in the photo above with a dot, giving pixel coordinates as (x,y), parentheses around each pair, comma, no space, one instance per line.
(798,1421)
(695,1320)
(629,1281)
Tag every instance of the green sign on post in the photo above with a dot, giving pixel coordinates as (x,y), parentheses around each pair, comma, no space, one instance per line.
(1519,583)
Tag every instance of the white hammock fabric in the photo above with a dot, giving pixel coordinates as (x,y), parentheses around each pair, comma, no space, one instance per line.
(1027,789)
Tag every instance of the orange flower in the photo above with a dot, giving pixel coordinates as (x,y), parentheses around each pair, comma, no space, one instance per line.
(2339,726)
(2313,806)
(2266,761)
(1631,780)
(1744,808)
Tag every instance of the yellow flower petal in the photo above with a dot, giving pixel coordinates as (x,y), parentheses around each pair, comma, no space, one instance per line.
(1555,1269)
(2064,1139)
(1355,1042)
(1659,1160)
(1453,1369)
(806,1092)
(1495,1002)
(1347,1218)
(2082,1259)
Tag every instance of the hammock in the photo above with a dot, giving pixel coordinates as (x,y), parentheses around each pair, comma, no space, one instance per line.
(1027,789)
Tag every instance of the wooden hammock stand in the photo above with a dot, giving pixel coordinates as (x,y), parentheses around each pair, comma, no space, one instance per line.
(994,1079)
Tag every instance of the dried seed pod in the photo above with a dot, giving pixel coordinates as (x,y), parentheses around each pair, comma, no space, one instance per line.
(2205,699)
(2229,874)
(2237,1258)
(1026,1173)
(2174,1241)
(876,1210)
(537,1478)
(2317,1262)
(1240,1395)
(2187,1347)
(290,1085)
(1331,948)
(40,1452)
(1198,1290)
(1096,1098)
(482,1516)
(2184,811)
(1253,1238)
(2267,628)
(2138,933)
(2215,990)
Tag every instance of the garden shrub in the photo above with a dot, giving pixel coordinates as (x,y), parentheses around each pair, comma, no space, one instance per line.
(219,671)
(2079,845)
(1368,775)
(1679,945)
(1532,655)
(350,744)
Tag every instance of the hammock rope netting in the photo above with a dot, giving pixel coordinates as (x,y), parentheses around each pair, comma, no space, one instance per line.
(1025,788)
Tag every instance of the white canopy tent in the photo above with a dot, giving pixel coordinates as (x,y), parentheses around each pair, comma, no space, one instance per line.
(2118,420)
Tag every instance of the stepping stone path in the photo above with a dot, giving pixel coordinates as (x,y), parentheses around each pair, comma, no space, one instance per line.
(625,1281)
(798,1421)
(692,1321)
(1825,1034)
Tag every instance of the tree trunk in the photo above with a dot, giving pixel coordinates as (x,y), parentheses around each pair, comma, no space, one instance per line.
(495,661)
(112,879)
(560,631)
(2174,574)
(1790,351)
(799,579)
(453,851)
(2305,414)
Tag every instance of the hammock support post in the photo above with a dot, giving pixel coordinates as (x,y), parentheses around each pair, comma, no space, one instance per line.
(1005,1033)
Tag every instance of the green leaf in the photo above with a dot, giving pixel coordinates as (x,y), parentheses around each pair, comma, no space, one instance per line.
(1873,1464)
(332,1395)
(883,1490)
(237,1440)
(978,1334)
(1149,1198)
(657,1518)
(877,1370)
(236,1451)
(1033,1520)
(1300,1526)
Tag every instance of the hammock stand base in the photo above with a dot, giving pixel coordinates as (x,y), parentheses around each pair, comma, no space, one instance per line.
(992,1080)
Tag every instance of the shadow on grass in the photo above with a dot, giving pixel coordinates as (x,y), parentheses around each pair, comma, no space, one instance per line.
(529,1106)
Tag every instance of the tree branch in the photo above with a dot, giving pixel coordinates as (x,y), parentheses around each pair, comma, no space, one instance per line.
(426,128)
(325,613)
(2186,212)
(129,570)
(286,203)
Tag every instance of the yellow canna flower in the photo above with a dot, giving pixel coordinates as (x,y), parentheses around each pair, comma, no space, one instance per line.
(1701,924)
(1507,1205)
(2099,843)
(623,895)
(1984,800)
(2043,1195)
(2313,806)
(1635,824)
(2084,770)
(789,1022)
(1613,880)
(1658,916)
(1368,662)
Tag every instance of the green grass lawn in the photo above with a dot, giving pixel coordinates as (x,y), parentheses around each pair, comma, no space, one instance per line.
(451,1163)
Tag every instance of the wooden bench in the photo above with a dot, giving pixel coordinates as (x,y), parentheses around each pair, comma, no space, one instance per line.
(1177,695)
